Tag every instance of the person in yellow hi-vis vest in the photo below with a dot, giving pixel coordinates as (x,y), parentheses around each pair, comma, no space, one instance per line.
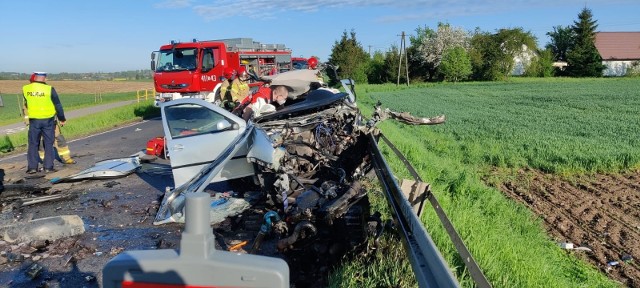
(242,84)
(42,107)
(60,147)
(229,89)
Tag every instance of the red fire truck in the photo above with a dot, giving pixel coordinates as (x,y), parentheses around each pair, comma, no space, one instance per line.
(299,62)
(194,69)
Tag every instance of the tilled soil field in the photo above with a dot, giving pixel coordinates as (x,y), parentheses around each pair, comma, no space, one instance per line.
(599,215)
(78,87)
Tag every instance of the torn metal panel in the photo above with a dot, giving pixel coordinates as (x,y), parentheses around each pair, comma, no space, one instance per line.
(405,117)
(106,169)
(174,200)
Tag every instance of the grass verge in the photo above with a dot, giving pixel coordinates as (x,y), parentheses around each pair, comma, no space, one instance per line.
(507,240)
(86,125)
(11,112)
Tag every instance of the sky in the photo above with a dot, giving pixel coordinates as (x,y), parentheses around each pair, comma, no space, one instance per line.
(117,35)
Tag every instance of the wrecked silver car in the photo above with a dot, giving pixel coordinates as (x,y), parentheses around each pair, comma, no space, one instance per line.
(288,183)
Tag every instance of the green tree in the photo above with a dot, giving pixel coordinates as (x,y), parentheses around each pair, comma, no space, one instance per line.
(377,72)
(561,42)
(419,69)
(484,53)
(350,57)
(455,64)
(391,62)
(493,55)
(541,65)
(583,58)
(433,44)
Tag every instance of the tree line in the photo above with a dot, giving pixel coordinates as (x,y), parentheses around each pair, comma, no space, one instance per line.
(93,76)
(449,53)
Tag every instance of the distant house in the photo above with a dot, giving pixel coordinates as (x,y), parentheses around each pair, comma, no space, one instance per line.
(619,51)
(522,60)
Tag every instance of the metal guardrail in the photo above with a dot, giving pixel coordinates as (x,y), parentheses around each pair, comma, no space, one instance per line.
(474,270)
(431,270)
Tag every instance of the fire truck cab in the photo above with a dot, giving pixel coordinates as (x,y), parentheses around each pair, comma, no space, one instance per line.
(194,69)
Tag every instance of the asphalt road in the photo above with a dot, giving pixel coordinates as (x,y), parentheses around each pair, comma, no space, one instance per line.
(117,213)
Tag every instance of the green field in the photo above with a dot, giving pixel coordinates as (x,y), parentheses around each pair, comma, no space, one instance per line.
(556,125)
(11,112)
(565,126)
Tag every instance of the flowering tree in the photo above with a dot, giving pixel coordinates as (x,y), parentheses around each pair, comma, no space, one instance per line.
(433,44)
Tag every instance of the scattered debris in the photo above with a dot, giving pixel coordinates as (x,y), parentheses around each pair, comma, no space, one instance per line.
(50,228)
(571,246)
(238,246)
(34,270)
(110,184)
(112,168)
(404,117)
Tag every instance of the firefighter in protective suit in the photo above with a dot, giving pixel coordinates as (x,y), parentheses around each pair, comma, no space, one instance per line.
(312,64)
(229,93)
(63,154)
(61,150)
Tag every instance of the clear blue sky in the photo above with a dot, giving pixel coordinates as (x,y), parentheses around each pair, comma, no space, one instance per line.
(117,35)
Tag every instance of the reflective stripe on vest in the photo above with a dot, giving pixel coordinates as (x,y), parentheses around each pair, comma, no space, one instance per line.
(39,104)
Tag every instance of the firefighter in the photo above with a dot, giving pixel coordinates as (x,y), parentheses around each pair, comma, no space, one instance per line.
(60,147)
(42,107)
(312,64)
(243,83)
(229,89)
(265,100)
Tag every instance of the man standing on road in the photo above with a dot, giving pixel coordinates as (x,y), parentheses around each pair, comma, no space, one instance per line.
(43,106)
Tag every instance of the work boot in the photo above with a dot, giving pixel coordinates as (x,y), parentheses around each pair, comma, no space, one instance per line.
(31,171)
(69,161)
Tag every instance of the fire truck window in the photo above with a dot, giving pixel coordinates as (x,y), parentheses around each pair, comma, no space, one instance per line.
(207,60)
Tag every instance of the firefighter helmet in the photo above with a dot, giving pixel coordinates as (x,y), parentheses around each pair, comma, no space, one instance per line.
(229,73)
(242,73)
(312,63)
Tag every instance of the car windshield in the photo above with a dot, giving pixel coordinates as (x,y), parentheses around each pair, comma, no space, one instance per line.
(190,119)
(177,60)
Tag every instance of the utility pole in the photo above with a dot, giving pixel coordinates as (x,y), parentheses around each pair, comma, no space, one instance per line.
(403,52)
(369,51)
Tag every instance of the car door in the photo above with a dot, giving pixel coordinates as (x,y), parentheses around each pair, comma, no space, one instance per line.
(196,133)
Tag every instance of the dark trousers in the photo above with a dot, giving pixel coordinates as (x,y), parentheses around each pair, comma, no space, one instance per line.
(45,129)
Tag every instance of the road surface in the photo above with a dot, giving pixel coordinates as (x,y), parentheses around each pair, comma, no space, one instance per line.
(117,213)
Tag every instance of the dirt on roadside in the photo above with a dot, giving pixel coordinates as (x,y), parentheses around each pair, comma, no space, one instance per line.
(599,212)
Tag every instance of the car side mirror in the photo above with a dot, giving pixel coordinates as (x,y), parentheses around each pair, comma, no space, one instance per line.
(223,125)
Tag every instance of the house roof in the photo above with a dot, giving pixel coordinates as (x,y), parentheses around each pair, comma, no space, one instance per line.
(618,45)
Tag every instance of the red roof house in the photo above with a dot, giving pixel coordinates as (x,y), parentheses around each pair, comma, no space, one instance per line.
(619,51)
